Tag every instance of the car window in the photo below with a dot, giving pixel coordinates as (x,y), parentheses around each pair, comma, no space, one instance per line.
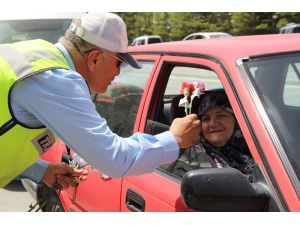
(154,40)
(190,38)
(141,42)
(296,29)
(291,88)
(182,74)
(218,35)
(133,43)
(119,104)
(278,85)
(21,30)
(199,37)
(193,158)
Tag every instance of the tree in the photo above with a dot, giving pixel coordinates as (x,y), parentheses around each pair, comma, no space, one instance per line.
(174,26)
(247,23)
(283,18)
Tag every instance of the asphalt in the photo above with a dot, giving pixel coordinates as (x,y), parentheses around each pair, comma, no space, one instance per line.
(14,198)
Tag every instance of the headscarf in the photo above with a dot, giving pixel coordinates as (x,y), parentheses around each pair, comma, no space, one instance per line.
(212,98)
(235,152)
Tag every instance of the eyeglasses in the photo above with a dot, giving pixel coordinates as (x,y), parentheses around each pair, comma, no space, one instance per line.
(119,60)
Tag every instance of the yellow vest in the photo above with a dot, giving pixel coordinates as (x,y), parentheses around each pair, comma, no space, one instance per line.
(21,146)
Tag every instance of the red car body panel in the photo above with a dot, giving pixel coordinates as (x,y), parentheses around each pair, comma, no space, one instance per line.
(159,192)
(54,153)
(91,199)
(224,50)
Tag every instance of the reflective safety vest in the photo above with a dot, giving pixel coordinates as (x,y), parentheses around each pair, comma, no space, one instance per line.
(20,145)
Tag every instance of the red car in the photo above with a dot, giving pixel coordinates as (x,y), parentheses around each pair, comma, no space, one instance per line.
(260,75)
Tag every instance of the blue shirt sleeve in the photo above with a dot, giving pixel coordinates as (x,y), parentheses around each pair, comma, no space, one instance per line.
(60,100)
(35,172)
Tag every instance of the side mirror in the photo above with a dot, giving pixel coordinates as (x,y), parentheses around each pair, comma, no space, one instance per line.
(222,190)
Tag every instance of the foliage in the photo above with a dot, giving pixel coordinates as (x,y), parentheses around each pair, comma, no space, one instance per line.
(172,26)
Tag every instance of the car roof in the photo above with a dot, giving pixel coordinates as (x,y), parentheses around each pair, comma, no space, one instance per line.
(228,48)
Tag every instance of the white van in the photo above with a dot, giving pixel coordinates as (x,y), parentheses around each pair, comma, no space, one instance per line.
(144,40)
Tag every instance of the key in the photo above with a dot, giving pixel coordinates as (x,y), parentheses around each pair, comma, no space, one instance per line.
(73,164)
(57,187)
(75,181)
(75,184)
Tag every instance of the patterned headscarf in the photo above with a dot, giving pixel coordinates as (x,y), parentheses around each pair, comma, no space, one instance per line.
(213,98)
(235,152)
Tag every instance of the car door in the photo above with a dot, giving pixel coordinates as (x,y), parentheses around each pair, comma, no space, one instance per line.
(160,190)
(121,105)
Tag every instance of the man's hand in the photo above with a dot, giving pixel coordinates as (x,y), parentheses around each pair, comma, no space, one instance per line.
(186,130)
(62,174)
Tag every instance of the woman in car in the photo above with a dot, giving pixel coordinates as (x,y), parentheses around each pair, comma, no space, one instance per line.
(221,136)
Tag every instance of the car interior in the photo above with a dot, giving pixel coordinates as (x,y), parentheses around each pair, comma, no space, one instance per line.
(167,110)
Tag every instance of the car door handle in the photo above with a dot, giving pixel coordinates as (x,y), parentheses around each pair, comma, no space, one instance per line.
(134,201)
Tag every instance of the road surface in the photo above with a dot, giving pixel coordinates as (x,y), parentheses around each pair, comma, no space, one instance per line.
(14,198)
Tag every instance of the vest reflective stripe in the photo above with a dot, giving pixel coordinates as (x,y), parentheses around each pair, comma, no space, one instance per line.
(23,68)
(20,147)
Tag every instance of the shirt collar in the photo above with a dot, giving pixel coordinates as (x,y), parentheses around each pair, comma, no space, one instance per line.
(66,55)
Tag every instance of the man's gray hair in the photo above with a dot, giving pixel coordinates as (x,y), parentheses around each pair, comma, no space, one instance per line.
(79,44)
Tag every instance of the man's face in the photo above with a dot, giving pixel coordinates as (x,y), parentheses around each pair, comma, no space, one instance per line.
(217,125)
(106,68)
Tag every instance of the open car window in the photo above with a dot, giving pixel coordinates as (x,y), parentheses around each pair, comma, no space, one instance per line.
(195,157)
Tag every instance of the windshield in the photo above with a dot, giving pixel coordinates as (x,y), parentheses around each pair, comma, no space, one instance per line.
(21,30)
(277,81)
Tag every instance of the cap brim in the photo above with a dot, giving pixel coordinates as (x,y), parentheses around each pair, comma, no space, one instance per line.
(126,57)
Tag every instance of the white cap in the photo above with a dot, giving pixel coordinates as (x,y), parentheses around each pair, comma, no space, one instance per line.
(107,31)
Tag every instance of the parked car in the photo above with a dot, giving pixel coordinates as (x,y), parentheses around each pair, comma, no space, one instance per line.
(290,28)
(145,40)
(206,35)
(261,77)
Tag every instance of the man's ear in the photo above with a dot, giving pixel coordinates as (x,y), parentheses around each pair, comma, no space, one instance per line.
(93,58)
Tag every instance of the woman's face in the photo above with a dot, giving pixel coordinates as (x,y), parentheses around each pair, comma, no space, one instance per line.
(217,125)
